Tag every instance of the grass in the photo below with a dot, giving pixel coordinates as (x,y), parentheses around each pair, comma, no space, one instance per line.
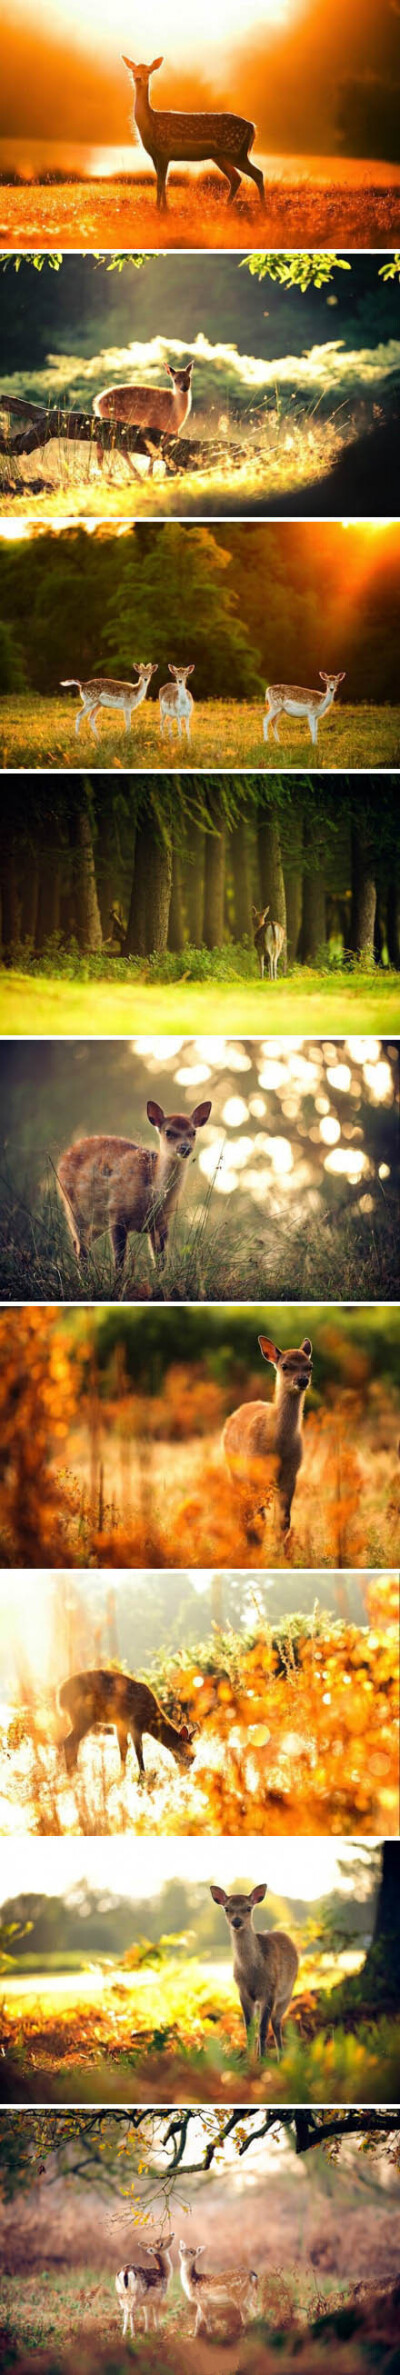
(318,208)
(39,731)
(287,447)
(61,2317)
(38,1002)
(176,2035)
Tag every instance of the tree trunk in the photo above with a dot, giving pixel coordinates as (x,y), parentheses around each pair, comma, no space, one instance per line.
(147,928)
(105,860)
(176,924)
(29,899)
(393,923)
(87,919)
(48,905)
(381,1975)
(239,856)
(194,883)
(313,929)
(214,877)
(293,880)
(136,934)
(9,901)
(366,920)
(272,887)
(160,900)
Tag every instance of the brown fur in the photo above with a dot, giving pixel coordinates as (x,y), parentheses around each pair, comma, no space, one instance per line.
(112,1183)
(166,134)
(263,1441)
(102,1697)
(264,1964)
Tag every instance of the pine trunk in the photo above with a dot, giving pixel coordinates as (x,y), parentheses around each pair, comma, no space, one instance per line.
(214,879)
(87,919)
(194,883)
(136,934)
(176,925)
(48,905)
(239,857)
(393,923)
(160,900)
(105,873)
(293,880)
(272,887)
(366,920)
(29,899)
(313,929)
(9,900)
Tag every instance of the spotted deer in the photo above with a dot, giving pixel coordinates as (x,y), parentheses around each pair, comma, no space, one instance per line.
(149,408)
(110,692)
(294,700)
(169,135)
(218,2292)
(176,703)
(104,1699)
(265,1964)
(110,1183)
(145,2288)
(263,1441)
(268,941)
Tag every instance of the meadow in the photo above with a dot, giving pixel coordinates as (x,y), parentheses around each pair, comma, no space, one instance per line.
(322,203)
(70,996)
(260,463)
(39,731)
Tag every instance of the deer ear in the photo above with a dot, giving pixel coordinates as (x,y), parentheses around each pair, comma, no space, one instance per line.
(154,63)
(201,1114)
(172,667)
(306,1345)
(192,665)
(322,672)
(132,69)
(270,1352)
(257,1894)
(155,1114)
(341,676)
(219,1895)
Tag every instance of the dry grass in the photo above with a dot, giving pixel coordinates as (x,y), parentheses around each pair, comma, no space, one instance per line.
(316,209)
(39,731)
(289,449)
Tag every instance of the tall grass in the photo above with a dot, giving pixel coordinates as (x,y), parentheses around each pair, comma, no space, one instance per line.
(39,731)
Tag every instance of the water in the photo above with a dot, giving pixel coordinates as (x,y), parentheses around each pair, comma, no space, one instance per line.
(30,157)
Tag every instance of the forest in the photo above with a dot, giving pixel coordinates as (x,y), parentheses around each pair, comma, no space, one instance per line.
(113,1432)
(309,2200)
(140,1988)
(78,604)
(292,1183)
(294,405)
(292,1717)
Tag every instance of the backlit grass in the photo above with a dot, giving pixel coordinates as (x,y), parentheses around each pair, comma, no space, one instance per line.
(315,208)
(59,1004)
(39,731)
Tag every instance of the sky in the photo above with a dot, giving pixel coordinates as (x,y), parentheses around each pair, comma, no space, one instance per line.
(148,29)
(140,1867)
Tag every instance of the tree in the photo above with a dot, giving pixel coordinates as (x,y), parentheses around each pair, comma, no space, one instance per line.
(152,2150)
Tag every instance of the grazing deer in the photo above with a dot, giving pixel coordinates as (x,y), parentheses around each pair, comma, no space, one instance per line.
(109,692)
(176,703)
(294,700)
(232,2288)
(147,408)
(261,1433)
(106,1699)
(145,2288)
(264,1965)
(112,1183)
(268,941)
(168,135)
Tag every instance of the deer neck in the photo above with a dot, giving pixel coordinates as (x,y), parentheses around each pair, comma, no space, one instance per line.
(246,1953)
(143,113)
(289,1410)
(324,703)
(140,691)
(167,1181)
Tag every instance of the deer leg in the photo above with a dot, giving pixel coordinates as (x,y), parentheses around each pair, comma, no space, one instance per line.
(277,2032)
(161,171)
(262,962)
(247,2009)
(138,1747)
(232,176)
(255,175)
(91,714)
(313,725)
(275,723)
(122,1737)
(265,2016)
(266,723)
(118,1234)
(72,1744)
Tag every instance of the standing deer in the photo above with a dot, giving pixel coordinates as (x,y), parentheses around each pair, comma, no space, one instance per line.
(232,2288)
(259,1435)
(148,408)
(264,1965)
(294,700)
(167,135)
(176,703)
(268,941)
(109,692)
(112,1183)
(145,2288)
(107,1699)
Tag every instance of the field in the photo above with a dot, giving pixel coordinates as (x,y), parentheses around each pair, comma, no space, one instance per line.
(175,2034)
(311,2247)
(40,732)
(332,205)
(278,1738)
(57,1003)
(260,464)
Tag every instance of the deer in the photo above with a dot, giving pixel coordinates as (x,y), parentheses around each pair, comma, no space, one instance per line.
(147,407)
(232,2287)
(168,135)
(265,1964)
(111,1183)
(260,1435)
(109,692)
(294,700)
(176,703)
(268,941)
(145,2288)
(102,1699)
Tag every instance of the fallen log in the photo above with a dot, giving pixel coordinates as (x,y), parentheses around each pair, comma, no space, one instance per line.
(44,423)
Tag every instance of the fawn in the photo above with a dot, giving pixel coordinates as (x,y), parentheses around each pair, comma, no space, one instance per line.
(268,941)
(145,2288)
(112,1183)
(296,701)
(259,1433)
(234,2287)
(167,134)
(148,408)
(176,703)
(109,692)
(264,1964)
(106,1699)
